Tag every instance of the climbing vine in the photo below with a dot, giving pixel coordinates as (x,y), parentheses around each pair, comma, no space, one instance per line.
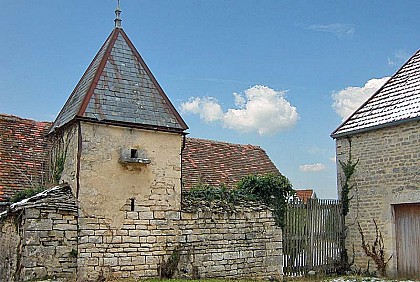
(270,190)
(348,168)
(58,154)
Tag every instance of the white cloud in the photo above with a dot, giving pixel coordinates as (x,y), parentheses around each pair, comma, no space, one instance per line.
(312,167)
(333,159)
(260,109)
(347,100)
(339,29)
(239,100)
(208,108)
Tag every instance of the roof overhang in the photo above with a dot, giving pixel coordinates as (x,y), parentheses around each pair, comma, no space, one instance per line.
(371,128)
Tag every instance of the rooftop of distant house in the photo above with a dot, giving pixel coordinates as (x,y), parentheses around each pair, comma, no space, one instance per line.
(305,194)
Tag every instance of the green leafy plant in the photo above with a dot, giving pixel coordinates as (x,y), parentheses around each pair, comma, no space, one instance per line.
(60,145)
(73,253)
(24,194)
(348,168)
(271,190)
(57,168)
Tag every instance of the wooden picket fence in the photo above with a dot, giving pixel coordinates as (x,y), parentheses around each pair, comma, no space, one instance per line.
(311,237)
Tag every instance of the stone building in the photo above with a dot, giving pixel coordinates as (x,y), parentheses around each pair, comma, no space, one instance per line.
(383,135)
(117,146)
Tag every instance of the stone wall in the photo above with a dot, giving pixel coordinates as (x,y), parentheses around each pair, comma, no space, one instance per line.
(242,244)
(9,242)
(130,219)
(388,173)
(39,237)
(245,244)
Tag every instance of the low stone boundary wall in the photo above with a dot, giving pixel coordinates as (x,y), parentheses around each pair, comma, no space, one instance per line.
(46,236)
(39,237)
(244,244)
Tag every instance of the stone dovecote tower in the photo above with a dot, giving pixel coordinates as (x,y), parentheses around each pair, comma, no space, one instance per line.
(118,142)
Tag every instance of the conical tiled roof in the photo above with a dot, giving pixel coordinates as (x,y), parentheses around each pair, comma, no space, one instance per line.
(118,88)
(396,102)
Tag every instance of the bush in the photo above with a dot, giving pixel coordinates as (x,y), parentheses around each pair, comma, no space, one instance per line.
(271,190)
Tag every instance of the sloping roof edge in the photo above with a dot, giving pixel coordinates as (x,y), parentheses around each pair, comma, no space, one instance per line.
(69,99)
(336,134)
(155,82)
(389,124)
(108,45)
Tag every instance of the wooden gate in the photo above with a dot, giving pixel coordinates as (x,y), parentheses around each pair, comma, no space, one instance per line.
(311,237)
(407,231)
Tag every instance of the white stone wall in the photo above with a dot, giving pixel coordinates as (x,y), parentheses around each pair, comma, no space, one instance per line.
(387,174)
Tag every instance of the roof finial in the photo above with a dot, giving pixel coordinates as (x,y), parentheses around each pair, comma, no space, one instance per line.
(118,15)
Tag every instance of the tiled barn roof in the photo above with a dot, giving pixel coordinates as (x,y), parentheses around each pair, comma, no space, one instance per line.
(24,150)
(23,154)
(118,88)
(215,163)
(397,101)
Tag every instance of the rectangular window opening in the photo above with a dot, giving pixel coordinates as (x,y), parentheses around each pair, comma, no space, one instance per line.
(132,204)
(134,153)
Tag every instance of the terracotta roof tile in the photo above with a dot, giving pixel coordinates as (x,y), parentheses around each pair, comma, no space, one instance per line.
(397,101)
(305,195)
(23,154)
(215,163)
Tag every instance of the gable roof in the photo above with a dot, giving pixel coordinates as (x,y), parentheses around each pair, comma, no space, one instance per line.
(215,163)
(23,154)
(397,101)
(118,88)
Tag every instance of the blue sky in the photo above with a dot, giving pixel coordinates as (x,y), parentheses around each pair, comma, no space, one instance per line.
(278,74)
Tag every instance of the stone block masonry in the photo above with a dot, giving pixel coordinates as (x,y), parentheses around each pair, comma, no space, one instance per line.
(48,236)
(243,244)
(39,237)
(387,175)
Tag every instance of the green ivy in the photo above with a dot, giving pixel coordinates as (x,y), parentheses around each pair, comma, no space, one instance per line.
(349,168)
(271,190)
